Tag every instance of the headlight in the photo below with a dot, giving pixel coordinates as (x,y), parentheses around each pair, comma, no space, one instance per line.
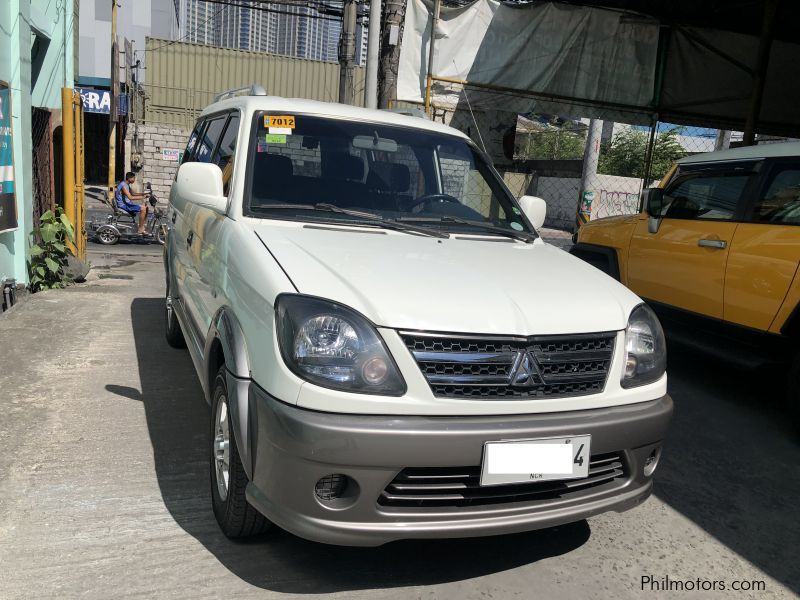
(645,348)
(334,346)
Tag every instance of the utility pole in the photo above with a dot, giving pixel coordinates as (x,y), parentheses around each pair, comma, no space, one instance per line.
(347,53)
(390,50)
(112,121)
(588,189)
(373,51)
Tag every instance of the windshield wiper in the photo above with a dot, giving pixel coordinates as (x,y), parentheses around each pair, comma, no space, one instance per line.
(369,217)
(522,236)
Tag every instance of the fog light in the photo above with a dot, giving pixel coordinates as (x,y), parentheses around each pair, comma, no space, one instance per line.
(651,462)
(375,370)
(630,366)
(331,487)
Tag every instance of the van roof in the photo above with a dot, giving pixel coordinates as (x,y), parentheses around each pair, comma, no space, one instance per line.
(335,110)
(745,152)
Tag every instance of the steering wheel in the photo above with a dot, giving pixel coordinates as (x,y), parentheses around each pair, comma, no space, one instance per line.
(421,201)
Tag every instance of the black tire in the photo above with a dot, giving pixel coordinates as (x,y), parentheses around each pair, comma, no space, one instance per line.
(236,516)
(107,236)
(172,327)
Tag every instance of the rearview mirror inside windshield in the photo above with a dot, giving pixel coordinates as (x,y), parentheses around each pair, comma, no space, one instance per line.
(366,142)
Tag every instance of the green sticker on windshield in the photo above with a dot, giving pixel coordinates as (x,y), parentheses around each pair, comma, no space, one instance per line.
(276,138)
(516,210)
(517,226)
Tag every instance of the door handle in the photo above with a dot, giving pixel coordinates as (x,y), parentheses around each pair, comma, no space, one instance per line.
(174,216)
(718,244)
(189,238)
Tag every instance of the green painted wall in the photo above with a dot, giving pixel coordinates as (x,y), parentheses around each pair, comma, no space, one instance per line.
(32,34)
(57,56)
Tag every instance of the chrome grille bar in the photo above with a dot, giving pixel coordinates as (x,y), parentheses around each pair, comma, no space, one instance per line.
(483,367)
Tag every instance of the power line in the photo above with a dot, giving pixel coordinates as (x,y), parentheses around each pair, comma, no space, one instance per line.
(189,33)
(320,16)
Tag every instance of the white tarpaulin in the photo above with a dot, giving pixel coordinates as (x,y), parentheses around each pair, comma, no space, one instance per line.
(559,53)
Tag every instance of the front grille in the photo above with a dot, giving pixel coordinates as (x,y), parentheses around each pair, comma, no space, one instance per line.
(518,368)
(460,486)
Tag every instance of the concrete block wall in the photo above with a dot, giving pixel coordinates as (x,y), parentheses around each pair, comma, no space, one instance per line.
(157,168)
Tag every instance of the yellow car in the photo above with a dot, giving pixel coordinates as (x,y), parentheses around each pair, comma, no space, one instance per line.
(715,250)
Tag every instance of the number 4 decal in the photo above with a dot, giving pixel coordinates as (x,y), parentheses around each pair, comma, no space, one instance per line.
(578,458)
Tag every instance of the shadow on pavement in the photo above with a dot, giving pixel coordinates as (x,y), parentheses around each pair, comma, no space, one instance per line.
(731,461)
(178,421)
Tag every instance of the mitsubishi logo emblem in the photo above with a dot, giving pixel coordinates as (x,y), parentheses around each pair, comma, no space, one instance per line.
(524,372)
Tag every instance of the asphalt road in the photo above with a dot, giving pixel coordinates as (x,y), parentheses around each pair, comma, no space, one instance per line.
(104,486)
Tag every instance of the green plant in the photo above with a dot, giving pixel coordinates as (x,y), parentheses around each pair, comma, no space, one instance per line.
(556,140)
(48,257)
(627,153)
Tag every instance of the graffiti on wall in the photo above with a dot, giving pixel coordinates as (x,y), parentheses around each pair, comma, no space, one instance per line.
(608,203)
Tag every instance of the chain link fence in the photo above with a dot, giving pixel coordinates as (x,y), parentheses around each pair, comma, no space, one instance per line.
(552,161)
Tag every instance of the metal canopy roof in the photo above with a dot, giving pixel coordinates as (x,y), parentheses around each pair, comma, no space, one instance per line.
(724,63)
(737,16)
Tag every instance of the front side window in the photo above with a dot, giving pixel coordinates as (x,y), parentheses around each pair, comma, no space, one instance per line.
(780,200)
(226,150)
(706,196)
(435,180)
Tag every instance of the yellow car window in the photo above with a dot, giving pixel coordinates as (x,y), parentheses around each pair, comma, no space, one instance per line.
(781,201)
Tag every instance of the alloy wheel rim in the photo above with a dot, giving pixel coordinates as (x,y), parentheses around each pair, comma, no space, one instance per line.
(222,448)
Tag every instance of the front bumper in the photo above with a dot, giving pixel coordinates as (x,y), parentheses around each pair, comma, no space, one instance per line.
(293,448)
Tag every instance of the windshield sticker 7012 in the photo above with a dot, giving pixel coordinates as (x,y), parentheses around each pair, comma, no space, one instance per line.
(285,121)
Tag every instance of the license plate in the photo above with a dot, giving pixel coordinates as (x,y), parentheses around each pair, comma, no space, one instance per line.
(526,461)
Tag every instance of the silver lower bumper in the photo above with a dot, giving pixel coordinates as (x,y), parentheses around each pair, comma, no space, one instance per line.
(293,448)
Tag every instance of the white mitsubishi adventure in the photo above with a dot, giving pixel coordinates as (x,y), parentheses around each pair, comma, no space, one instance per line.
(388,347)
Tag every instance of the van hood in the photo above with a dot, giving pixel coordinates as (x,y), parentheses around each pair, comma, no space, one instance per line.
(464,284)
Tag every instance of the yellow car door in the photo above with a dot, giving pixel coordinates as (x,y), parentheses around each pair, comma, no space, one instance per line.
(680,258)
(765,251)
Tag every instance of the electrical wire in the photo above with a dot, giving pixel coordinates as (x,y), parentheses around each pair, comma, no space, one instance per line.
(229,3)
(183,37)
(320,16)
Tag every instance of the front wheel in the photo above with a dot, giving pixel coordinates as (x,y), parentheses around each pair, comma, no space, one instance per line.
(236,516)
(107,235)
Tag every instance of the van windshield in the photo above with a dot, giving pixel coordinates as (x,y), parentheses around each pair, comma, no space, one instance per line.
(403,174)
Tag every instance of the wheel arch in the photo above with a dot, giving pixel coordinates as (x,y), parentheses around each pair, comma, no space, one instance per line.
(226,346)
(603,258)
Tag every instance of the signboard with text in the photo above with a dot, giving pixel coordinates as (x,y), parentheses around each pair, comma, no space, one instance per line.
(95,101)
(8,207)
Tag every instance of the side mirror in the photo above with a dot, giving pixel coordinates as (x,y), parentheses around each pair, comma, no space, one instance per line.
(535,209)
(654,202)
(201,183)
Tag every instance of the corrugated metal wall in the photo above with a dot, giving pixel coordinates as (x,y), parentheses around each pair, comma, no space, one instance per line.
(182,78)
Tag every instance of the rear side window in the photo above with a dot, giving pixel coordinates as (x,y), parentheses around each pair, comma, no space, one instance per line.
(226,151)
(712,196)
(208,141)
(779,200)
